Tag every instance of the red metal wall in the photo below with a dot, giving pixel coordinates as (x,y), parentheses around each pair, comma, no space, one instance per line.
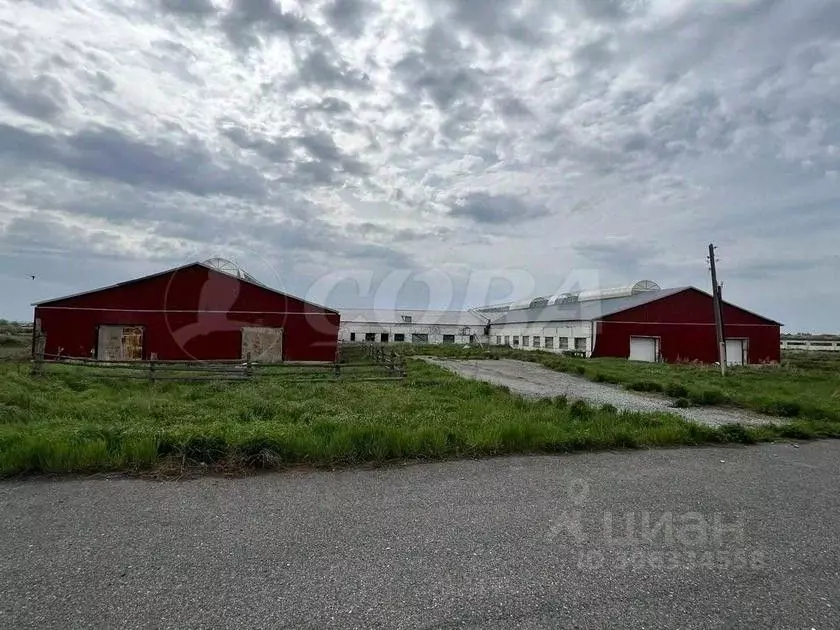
(190,313)
(685,324)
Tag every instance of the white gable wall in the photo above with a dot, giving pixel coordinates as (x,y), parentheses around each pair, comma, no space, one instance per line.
(555,330)
(435,332)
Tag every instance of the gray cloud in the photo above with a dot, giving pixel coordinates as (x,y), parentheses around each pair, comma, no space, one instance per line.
(769,268)
(609,10)
(319,69)
(246,20)
(189,8)
(625,255)
(331,105)
(368,229)
(274,149)
(512,107)
(103,152)
(497,18)
(440,71)
(350,16)
(323,150)
(42,97)
(485,208)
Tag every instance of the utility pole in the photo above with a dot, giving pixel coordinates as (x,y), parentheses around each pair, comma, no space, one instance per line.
(718,312)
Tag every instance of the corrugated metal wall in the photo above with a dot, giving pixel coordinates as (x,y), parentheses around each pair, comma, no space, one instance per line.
(191,313)
(685,324)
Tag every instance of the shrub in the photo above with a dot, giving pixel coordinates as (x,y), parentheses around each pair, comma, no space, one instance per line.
(796,432)
(783,408)
(560,401)
(580,410)
(579,369)
(259,410)
(736,433)
(521,403)
(600,377)
(708,397)
(12,342)
(682,403)
(207,449)
(676,390)
(608,408)
(645,386)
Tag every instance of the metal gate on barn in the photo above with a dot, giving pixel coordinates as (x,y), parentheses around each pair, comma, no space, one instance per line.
(263,344)
(119,343)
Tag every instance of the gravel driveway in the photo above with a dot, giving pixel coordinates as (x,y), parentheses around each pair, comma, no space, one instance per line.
(533,380)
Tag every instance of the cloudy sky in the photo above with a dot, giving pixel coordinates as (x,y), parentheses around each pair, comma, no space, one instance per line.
(435,152)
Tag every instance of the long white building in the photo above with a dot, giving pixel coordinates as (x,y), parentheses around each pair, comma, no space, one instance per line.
(641,322)
(811,344)
(413,326)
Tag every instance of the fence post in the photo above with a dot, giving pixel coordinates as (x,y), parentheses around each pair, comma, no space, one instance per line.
(337,366)
(152,359)
(38,355)
(249,368)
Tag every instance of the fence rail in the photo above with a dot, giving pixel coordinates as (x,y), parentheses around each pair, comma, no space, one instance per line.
(382,367)
(391,360)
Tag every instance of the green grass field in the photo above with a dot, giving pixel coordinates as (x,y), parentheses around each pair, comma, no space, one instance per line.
(72,421)
(14,344)
(805,385)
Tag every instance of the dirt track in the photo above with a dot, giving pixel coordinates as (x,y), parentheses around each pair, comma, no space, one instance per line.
(532,380)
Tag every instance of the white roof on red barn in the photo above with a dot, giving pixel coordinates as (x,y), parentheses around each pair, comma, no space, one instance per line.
(420,317)
(590,310)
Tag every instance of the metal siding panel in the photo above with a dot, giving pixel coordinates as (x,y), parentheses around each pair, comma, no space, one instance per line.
(688,342)
(191,336)
(689,306)
(685,324)
(311,333)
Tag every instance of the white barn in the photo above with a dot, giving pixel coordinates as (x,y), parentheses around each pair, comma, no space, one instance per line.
(413,326)
(564,322)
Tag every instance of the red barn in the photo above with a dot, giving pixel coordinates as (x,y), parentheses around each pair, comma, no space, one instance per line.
(642,322)
(194,312)
(679,325)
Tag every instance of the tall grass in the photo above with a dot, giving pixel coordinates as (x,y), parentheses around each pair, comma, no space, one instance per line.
(804,385)
(71,422)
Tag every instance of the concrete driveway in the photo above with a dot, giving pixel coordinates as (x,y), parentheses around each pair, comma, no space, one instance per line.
(696,538)
(533,380)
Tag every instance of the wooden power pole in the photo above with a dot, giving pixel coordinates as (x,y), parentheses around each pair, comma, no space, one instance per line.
(718,312)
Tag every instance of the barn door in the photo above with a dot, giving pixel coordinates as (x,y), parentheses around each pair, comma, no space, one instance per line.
(120,343)
(644,349)
(262,344)
(736,351)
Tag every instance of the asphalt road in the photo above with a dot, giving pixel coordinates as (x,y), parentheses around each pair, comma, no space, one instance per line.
(742,537)
(533,380)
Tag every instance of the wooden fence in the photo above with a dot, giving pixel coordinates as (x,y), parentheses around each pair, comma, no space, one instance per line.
(386,357)
(381,367)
